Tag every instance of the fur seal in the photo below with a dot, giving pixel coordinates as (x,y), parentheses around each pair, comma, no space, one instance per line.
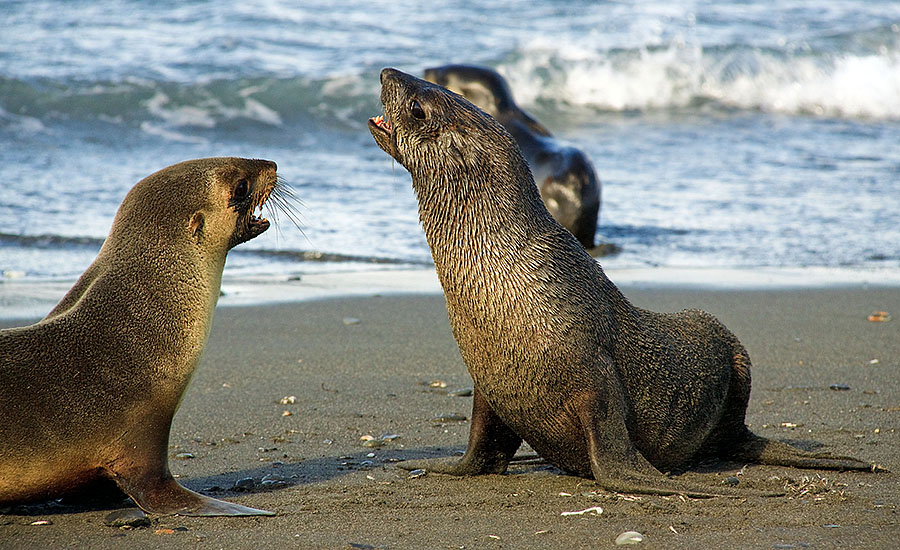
(559,357)
(566,179)
(89,392)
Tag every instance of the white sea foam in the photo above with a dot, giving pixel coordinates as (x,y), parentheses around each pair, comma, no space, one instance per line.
(21,123)
(682,74)
(208,111)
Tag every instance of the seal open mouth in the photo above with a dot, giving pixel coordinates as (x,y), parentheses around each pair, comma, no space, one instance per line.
(257,224)
(381,124)
(383,132)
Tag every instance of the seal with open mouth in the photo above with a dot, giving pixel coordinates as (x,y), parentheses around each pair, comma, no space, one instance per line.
(559,357)
(564,175)
(89,392)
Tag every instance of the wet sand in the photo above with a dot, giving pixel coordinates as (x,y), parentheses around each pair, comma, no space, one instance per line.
(371,377)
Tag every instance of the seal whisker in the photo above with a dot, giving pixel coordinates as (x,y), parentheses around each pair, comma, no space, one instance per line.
(282,200)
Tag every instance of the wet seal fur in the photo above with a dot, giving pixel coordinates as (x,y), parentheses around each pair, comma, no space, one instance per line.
(559,357)
(565,175)
(89,392)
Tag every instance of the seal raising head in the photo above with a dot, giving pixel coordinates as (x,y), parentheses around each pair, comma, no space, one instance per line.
(559,357)
(89,392)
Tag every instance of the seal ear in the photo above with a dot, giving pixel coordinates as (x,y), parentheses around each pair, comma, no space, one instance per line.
(196,225)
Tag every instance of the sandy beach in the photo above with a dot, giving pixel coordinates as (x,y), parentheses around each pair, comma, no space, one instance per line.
(824,377)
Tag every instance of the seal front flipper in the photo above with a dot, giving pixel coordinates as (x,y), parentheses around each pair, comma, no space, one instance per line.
(157,492)
(492,445)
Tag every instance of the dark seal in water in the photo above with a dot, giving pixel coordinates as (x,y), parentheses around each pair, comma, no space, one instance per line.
(559,357)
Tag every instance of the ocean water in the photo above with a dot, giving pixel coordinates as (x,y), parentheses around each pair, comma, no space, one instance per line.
(733,134)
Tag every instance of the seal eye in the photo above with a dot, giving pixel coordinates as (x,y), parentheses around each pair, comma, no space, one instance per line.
(242,190)
(417,110)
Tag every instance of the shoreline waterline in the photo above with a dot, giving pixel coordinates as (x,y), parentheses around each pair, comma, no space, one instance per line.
(24,299)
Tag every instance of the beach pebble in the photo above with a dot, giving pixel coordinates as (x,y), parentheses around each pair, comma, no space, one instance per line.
(450,417)
(273,480)
(184,455)
(131,517)
(731,480)
(371,442)
(287,413)
(351,321)
(629,537)
(415,474)
(244,484)
(463,392)
(839,387)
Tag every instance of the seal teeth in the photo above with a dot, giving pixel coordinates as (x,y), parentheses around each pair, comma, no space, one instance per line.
(382,123)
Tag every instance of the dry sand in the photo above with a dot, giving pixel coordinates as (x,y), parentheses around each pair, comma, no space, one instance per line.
(370,377)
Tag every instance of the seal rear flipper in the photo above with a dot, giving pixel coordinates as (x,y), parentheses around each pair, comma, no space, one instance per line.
(617,465)
(636,482)
(492,445)
(762,450)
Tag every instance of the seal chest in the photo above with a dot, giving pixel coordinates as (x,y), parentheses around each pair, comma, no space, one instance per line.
(558,355)
(89,392)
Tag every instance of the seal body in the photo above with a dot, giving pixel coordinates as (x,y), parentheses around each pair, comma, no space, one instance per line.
(565,175)
(89,392)
(559,357)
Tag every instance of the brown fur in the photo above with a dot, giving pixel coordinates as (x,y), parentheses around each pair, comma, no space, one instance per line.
(559,357)
(565,176)
(89,392)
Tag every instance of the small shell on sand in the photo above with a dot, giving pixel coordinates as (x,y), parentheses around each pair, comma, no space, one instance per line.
(593,510)
(128,518)
(629,537)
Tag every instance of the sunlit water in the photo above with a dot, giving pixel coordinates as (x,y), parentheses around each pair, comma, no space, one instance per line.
(726,134)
